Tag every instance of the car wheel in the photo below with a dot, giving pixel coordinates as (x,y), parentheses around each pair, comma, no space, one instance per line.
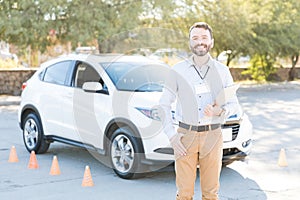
(125,154)
(33,135)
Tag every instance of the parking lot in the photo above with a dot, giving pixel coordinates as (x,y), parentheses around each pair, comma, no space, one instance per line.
(272,108)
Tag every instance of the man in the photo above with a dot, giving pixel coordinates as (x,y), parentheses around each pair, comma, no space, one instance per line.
(194,84)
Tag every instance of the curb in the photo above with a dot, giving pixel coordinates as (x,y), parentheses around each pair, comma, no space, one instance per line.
(271,86)
(6,100)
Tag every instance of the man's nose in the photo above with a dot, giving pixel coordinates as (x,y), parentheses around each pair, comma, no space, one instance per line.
(199,41)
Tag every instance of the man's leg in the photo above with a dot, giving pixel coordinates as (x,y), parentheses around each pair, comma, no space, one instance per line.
(186,167)
(210,168)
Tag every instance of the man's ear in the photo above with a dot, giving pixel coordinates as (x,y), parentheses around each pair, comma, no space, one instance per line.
(212,43)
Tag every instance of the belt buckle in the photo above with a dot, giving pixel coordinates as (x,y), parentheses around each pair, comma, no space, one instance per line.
(209,127)
(203,128)
(190,127)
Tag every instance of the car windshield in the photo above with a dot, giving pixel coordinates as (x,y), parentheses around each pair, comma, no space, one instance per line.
(136,76)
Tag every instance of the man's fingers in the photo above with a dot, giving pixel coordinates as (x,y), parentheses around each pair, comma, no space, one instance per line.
(180,149)
(208,110)
(181,146)
(212,110)
(177,144)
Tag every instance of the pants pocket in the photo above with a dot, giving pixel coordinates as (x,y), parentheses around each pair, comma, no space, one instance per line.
(209,140)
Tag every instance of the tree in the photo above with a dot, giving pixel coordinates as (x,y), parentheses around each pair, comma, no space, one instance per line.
(288,25)
(23,24)
(264,30)
(39,24)
(143,27)
(275,33)
(230,21)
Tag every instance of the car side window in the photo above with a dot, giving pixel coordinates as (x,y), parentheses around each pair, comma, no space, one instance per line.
(57,73)
(86,73)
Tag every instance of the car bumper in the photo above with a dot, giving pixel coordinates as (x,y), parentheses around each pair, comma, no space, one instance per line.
(233,154)
(237,147)
(229,155)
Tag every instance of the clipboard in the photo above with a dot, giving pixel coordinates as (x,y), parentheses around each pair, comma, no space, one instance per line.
(226,94)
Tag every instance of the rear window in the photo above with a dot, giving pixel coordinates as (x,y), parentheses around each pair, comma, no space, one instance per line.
(57,73)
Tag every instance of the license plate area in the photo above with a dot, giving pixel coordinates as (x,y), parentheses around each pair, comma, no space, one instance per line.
(227,134)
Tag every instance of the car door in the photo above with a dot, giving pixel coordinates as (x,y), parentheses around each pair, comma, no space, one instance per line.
(52,90)
(81,117)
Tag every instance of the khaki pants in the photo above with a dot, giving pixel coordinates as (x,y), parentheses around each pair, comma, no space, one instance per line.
(204,149)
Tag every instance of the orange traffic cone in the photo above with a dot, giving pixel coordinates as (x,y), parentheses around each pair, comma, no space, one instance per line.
(13,157)
(54,167)
(87,180)
(282,159)
(33,164)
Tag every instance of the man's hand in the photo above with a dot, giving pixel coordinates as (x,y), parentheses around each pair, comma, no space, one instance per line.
(212,110)
(177,145)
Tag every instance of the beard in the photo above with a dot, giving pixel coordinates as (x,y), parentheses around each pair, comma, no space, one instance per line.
(200,49)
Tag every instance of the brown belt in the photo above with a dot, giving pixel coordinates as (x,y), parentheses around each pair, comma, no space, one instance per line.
(199,128)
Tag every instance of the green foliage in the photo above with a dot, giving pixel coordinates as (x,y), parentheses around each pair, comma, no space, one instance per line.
(8,64)
(263,30)
(231,24)
(261,68)
(24,24)
(141,38)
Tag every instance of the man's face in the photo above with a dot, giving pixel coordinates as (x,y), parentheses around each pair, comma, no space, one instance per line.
(200,41)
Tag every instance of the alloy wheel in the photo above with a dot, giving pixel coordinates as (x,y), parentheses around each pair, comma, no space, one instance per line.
(122,153)
(31,133)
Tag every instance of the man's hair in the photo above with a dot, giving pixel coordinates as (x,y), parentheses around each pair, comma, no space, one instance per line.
(203,25)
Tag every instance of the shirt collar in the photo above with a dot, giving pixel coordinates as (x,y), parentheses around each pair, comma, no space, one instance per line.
(208,64)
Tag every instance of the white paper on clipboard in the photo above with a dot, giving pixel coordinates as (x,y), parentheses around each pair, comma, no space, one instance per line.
(226,94)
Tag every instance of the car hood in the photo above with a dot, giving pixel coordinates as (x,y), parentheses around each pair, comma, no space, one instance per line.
(151,99)
(141,99)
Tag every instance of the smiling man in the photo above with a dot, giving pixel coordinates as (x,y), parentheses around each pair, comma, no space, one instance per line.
(194,84)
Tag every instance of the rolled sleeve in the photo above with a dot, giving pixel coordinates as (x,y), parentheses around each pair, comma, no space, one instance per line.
(167,99)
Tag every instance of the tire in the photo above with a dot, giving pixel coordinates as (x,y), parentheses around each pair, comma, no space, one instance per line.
(125,154)
(33,135)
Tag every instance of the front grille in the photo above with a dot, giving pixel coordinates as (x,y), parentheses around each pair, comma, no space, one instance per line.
(235,129)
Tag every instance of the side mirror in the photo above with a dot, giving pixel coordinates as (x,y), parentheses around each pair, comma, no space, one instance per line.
(92,86)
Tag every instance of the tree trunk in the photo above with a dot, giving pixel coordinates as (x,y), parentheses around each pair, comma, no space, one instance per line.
(230,57)
(292,71)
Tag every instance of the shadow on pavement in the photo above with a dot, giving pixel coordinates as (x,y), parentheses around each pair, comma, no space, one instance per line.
(236,186)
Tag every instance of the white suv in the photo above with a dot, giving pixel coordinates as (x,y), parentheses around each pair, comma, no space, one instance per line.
(108,103)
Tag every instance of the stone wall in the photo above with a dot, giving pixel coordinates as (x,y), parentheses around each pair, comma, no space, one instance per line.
(237,74)
(281,74)
(11,80)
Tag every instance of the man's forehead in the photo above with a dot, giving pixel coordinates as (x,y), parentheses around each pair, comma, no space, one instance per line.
(199,32)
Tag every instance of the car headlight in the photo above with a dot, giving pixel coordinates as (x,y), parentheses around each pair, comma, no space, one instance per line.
(232,116)
(150,113)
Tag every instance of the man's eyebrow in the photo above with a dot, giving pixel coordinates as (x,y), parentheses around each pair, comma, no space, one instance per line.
(197,36)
